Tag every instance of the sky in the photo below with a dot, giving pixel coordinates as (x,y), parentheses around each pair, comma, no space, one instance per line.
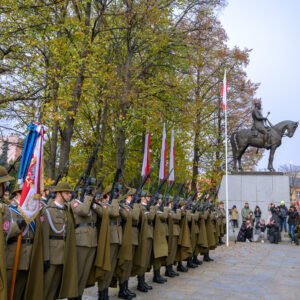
(271,28)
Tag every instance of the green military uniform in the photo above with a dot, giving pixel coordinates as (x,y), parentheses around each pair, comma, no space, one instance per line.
(60,257)
(86,238)
(174,230)
(113,243)
(131,218)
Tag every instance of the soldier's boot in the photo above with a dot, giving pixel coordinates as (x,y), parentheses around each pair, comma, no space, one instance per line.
(123,293)
(157,277)
(141,284)
(190,263)
(133,295)
(101,295)
(106,297)
(197,261)
(169,272)
(172,271)
(148,286)
(181,267)
(207,258)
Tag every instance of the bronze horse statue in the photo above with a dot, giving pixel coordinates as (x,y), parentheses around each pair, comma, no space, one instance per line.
(240,140)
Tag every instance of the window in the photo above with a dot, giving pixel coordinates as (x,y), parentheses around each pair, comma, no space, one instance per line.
(298,195)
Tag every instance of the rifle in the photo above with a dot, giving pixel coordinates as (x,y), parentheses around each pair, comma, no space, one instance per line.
(113,193)
(177,197)
(191,200)
(165,201)
(86,179)
(139,190)
(155,196)
(12,166)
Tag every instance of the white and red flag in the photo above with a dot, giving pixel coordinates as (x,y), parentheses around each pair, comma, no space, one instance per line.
(30,176)
(224,92)
(163,155)
(172,159)
(146,160)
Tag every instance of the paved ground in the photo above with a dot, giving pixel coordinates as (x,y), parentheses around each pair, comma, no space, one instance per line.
(242,271)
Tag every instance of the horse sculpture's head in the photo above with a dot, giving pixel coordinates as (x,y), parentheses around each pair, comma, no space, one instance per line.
(291,128)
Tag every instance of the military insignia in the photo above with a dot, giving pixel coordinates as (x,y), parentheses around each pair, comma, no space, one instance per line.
(6,226)
(75,204)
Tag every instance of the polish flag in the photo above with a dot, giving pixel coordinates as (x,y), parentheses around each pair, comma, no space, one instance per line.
(172,158)
(224,92)
(146,160)
(163,155)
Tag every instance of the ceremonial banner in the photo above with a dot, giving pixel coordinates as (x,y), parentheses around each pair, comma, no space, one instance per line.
(163,155)
(30,176)
(224,92)
(172,159)
(146,160)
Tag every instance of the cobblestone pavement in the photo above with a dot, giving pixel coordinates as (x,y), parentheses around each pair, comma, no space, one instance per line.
(241,271)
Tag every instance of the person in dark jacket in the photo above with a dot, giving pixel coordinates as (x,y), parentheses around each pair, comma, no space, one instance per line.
(283,215)
(257,214)
(292,221)
(246,232)
(274,226)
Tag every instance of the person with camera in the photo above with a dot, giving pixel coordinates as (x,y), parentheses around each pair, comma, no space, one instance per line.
(260,228)
(274,226)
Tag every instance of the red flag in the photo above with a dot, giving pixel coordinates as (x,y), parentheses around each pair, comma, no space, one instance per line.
(224,92)
(146,160)
(163,155)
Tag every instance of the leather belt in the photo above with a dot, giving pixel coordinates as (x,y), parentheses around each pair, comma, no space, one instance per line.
(135,225)
(164,222)
(176,222)
(23,241)
(85,225)
(57,237)
(117,223)
(150,223)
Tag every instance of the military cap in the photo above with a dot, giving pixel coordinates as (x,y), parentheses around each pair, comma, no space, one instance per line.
(17,189)
(182,202)
(171,199)
(62,187)
(4,177)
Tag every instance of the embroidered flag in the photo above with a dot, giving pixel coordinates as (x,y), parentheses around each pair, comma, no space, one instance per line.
(30,176)
(172,159)
(163,155)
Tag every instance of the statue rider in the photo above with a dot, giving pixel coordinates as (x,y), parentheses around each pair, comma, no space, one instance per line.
(259,124)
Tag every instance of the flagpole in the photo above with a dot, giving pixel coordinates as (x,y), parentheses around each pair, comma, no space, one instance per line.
(226,182)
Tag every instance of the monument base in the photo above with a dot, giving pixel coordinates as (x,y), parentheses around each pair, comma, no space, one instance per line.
(256,188)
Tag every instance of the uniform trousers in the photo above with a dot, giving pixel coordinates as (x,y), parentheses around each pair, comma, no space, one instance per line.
(104,282)
(85,260)
(52,281)
(20,283)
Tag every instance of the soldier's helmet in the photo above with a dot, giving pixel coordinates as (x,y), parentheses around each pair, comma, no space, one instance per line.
(4,177)
(62,187)
(17,189)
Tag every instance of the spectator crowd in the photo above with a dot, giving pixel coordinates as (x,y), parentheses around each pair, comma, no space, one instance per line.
(256,229)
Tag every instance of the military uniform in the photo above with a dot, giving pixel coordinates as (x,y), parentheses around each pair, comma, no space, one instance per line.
(86,238)
(59,249)
(174,230)
(115,240)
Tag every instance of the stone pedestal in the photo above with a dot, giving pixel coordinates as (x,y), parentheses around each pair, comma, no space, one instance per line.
(256,188)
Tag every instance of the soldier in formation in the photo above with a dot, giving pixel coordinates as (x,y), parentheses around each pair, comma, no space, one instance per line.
(99,238)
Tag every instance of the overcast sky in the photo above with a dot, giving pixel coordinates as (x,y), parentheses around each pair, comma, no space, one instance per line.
(272,29)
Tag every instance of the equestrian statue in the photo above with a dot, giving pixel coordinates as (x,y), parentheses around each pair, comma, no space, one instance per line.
(262,135)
